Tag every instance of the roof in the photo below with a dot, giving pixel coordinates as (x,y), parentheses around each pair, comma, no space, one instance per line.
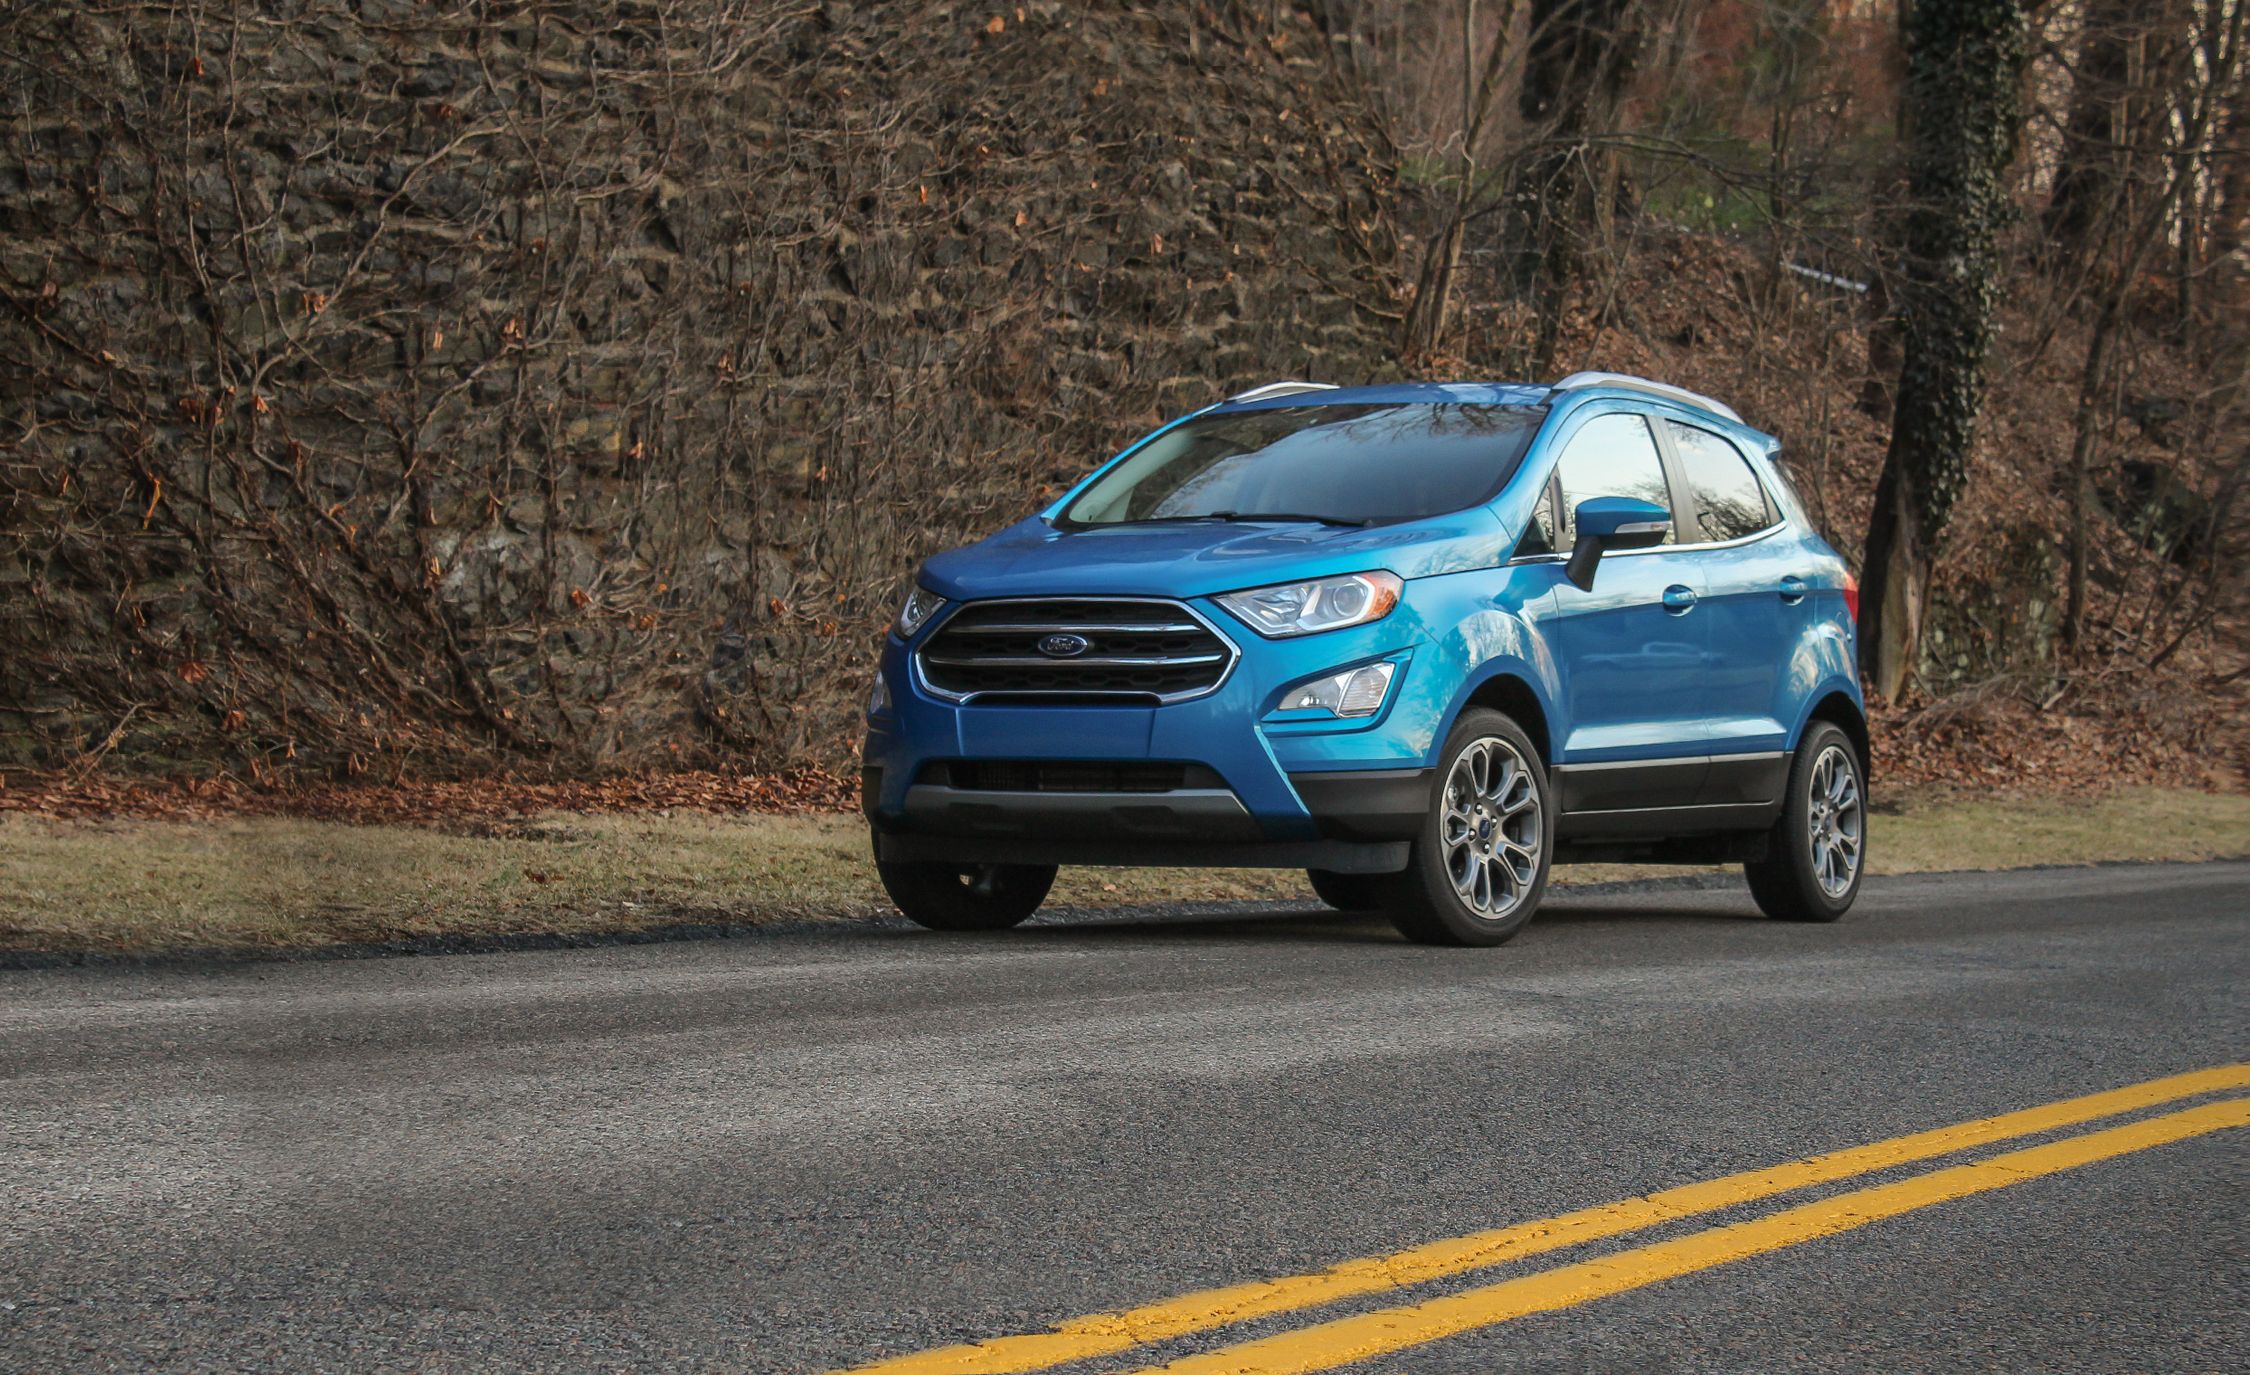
(1619,381)
(1276,395)
(1399,393)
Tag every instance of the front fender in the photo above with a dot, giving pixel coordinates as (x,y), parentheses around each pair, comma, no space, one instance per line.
(1505,630)
(1468,630)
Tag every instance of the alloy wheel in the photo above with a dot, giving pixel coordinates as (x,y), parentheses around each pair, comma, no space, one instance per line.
(1492,828)
(1837,820)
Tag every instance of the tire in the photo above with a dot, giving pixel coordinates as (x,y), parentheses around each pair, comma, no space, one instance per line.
(1817,853)
(967,897)
(1492,818)
(1348,892)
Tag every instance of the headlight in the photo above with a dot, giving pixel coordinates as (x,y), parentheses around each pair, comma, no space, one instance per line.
(1301,608)
(1354,692)
(920,606)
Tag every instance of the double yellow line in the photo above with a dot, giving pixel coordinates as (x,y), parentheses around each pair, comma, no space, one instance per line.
(1364,1335)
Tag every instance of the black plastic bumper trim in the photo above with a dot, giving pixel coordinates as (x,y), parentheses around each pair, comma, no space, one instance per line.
(1366,804)
(1182,814)
(1336,856)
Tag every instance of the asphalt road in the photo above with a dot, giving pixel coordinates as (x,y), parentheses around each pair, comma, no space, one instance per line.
(818,1148)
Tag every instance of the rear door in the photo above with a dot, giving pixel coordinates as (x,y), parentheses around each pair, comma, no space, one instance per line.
(1754,604)
(1636,649)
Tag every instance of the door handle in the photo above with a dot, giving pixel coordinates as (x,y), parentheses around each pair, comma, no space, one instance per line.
(1792,589)
(1679,600)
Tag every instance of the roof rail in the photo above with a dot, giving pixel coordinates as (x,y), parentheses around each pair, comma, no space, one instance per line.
(1273,389)
(1664,389)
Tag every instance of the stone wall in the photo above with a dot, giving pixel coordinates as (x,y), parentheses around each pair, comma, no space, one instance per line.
(393,385)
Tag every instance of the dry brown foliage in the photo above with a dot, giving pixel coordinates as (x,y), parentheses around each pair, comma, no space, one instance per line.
(423,802)
(575,384)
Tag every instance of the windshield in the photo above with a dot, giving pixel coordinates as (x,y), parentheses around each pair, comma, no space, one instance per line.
(1341,464)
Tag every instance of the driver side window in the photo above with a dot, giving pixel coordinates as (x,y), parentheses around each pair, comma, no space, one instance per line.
(1611,456)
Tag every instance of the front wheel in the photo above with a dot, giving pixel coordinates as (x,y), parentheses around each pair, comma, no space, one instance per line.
(1479,865)
(1818,850)
(967,897)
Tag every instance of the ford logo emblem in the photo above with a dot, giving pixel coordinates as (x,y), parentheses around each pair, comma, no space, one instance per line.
(1064,646)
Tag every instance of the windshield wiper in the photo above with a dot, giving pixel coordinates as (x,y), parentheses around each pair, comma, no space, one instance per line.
(1244,516)
(1286,515)
(1147,520)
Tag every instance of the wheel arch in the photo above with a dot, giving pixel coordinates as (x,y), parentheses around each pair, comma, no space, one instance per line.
(1839,709)
(1513,696)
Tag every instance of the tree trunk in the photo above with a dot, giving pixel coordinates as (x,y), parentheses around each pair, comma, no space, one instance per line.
(2090,165)
(1427,316)
(2232,195)
(1964,58)
(2228,291)
(2085,435)
(1579,61)
(1433,294)
(1894,578)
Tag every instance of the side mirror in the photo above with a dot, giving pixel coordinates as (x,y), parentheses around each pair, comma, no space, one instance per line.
(1611,523)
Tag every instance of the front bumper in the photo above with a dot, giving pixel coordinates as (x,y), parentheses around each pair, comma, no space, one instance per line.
(1312,793)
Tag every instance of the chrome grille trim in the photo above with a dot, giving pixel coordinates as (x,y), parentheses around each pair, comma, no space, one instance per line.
(1182,620)
(1076,661)
(1083,627)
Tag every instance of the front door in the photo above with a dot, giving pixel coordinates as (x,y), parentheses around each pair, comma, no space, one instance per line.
(1635,652)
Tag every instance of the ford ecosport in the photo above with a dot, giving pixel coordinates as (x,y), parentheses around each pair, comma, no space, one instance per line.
(1422,641)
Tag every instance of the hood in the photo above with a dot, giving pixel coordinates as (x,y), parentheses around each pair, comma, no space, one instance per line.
(1032,558)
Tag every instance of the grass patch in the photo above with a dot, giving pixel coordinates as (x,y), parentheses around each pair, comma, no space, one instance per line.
(274,883)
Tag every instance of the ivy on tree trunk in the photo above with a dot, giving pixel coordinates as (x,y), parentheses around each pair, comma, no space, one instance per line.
(1964,64)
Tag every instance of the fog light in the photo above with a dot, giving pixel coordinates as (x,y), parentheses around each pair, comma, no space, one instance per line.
(879,701)
(1363,691)
(1354,692)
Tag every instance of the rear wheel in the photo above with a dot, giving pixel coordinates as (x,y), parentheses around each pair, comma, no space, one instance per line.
(1817,853)
(1479,866)
(967,897)
(1348,892)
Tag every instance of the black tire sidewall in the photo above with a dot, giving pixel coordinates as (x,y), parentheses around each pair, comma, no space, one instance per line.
(933,895)
(1786,884)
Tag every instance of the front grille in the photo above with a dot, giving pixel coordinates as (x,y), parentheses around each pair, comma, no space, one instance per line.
(1068,775)
(1136,651)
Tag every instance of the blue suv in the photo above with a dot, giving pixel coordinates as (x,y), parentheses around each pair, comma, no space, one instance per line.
(1422,641)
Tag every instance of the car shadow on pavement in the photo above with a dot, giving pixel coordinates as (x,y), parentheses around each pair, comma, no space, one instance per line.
(1320,925)
(1296,925)
(1566,910)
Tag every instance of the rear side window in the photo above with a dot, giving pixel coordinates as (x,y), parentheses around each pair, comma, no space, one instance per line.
(1785,493)
(1611,456)
(1730,502)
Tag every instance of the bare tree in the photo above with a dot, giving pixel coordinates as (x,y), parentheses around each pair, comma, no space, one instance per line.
(2219,24)
(2092,163)
(1480,84)
(2229,201)
(1580,58)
